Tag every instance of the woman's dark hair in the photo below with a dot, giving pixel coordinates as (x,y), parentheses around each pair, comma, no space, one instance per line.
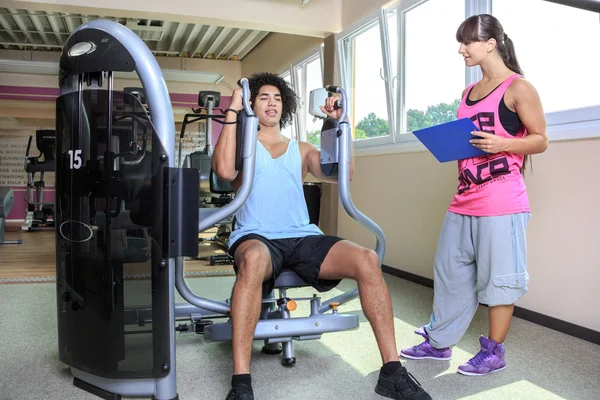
(483,27)
(289,99)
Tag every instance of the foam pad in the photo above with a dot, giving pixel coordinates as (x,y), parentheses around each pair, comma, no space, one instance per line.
(7,198)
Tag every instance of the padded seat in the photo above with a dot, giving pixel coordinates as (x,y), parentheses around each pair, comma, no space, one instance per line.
(289,279)
(44,166)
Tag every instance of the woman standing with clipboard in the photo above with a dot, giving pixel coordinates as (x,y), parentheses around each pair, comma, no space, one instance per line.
(481,255)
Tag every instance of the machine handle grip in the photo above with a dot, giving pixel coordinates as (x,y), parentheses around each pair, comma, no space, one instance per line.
(246,96)
(332,88)
(28,145)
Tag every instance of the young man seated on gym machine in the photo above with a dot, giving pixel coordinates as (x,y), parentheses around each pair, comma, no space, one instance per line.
(273,231)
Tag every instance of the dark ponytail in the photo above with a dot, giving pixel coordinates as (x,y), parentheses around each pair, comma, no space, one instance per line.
(507,50)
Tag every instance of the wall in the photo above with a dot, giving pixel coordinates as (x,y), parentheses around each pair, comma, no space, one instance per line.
(231,71)
(355,10)
(408,195)
(276,52)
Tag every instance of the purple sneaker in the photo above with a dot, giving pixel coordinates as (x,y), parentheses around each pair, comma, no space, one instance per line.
(425,350)
(489,359)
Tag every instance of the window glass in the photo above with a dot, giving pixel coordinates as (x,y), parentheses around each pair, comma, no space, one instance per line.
(560,59)
(434,75)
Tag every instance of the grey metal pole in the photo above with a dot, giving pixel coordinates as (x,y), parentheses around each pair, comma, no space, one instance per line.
(209,146)
(344,159)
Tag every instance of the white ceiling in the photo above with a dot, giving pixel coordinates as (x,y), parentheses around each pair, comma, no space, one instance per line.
(40,30)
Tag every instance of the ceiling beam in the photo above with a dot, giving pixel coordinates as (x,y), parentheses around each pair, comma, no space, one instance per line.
(177,37)
(7,28)
(23,27)
(58,33)
(40,28)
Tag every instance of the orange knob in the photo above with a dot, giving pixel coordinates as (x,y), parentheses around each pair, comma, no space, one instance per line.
(291,305)
(334,305)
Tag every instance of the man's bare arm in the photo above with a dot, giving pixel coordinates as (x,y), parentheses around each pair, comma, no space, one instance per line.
(223,159)
(313,161)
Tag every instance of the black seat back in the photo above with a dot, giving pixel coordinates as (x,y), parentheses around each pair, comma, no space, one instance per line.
(312,195)
(218,185)
(45,141)
(202,162)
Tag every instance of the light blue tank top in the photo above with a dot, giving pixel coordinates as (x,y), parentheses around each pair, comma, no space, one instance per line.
(276,207)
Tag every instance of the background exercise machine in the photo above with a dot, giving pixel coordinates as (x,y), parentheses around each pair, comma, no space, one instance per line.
(39,212)
(214,191)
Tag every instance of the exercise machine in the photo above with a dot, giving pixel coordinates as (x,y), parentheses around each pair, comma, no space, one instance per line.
(207,100)
(210,183)
(122,207)
(7,198)
(39,212)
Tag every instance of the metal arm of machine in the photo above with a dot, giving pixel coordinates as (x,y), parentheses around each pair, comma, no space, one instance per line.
(344,159)
(216,215)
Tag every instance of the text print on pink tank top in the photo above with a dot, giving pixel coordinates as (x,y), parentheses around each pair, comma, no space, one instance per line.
(478,171)
(491,184)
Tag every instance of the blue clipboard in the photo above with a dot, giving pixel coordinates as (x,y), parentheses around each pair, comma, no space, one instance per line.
(450,141)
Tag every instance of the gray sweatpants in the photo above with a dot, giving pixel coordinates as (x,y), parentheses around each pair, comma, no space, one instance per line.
(479,260)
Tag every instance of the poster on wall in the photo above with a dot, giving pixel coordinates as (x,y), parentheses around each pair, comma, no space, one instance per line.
(192,141)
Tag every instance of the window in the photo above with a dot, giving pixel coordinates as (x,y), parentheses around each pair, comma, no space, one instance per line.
(433,76)
(309,76)
(364,81)
(558,60)
(402,71)
(288,131)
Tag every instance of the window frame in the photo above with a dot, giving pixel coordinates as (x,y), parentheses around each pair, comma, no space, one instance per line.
(345,53)
(572,123)
(294,125)
(472,75)
(569,124)
(300,88)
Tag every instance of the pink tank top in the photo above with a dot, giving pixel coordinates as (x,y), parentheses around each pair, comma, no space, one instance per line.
(490,185)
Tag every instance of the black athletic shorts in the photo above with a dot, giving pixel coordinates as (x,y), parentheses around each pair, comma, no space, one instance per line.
(302,255)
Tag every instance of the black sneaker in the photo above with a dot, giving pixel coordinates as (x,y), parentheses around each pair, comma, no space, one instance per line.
(240,392)
(401,385)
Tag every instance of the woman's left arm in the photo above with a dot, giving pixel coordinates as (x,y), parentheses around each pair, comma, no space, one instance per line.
(528,107)
(526,103)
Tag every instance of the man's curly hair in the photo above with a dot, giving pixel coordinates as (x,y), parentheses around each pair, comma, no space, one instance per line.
(289,100)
